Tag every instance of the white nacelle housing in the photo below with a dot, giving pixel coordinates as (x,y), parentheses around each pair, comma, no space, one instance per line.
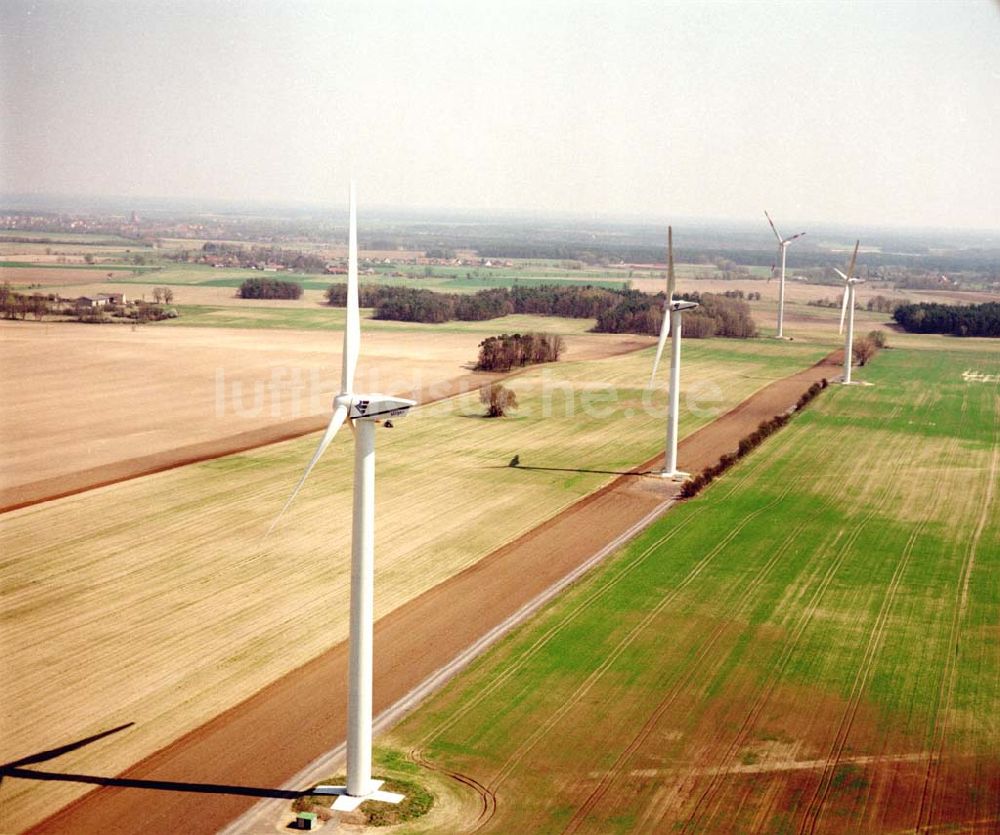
(378,406)
(680,304)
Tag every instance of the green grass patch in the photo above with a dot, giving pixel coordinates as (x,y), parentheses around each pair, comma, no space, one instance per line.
(417,800)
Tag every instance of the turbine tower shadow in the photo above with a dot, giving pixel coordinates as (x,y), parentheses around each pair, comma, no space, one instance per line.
(16,769)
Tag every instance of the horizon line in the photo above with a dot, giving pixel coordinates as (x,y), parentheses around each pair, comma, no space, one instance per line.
(78,202)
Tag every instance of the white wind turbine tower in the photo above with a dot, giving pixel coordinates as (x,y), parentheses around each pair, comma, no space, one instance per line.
(849,282)
(672,310)
(782,246)
(363,411)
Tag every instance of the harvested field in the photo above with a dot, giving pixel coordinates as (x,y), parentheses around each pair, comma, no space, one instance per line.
(832,656)
(99,403)
(168,588)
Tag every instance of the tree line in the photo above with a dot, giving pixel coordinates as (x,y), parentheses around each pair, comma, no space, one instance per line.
(957,320)
(269,288)
(251,257)
(616,310)
(14,305)
(692,487)
(507,351)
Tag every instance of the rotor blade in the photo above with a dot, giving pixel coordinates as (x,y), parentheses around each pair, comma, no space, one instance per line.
(788,240)
(773,228)
(339,415)
(843,310)
(838,272)
(352,326)
(664,333)
(854,257)
(671,278)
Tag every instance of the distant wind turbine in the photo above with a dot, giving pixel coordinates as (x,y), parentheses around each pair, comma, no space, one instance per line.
(849,282)
(782,246)
(672,310)
(363,411)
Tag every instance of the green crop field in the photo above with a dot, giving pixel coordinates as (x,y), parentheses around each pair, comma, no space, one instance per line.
(812,644)
(164,581)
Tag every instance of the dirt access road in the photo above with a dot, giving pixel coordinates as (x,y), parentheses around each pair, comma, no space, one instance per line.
(212,775)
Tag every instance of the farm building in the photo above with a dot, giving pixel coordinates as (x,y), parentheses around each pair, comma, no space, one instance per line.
(101,300)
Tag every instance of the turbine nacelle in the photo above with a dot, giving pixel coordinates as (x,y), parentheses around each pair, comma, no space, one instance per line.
(681,304)
(851,280)
(376,406)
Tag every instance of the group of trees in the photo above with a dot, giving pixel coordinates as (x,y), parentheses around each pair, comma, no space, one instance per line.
(694,486)
(163,295)
(507,351)
(416,305)
(269,288)
(20,305)
(957,320)
(15,305)
(369,295)
(716,315)
(616,311)
(404,304)
(251,257)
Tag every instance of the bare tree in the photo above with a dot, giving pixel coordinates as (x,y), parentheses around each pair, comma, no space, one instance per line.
(168,295)
(864,350)
(158,294)
(39,306)
(498,400)
(878,339)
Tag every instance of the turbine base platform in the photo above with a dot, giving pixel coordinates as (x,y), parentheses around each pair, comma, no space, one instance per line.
(348,802)
(675,475)
(839,381)
(783,338)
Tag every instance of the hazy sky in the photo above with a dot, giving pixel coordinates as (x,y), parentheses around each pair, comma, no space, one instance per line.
(867,112)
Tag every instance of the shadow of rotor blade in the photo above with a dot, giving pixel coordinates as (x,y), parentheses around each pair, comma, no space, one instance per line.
(52,753)
(571,470)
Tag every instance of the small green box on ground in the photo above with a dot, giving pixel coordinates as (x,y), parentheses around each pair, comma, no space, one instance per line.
(306,820)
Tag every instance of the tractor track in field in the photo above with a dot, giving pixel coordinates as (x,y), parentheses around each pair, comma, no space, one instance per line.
(926,809)
(677,688)
(788,650)
(297,719)
(488,798)
(418,754)
(816,804)
(514,760)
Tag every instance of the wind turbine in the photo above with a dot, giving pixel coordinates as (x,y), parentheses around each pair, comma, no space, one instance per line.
(363,411)
(782,246)
(849,282)
(672,310)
